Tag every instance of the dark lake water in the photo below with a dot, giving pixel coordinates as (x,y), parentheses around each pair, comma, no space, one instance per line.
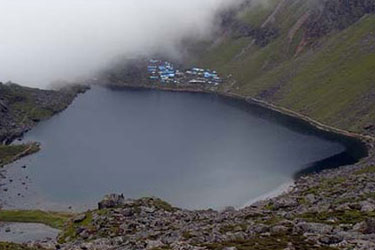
(193,150)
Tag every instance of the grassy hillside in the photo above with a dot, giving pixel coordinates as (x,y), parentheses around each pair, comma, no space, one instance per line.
(314,58)
(21,108)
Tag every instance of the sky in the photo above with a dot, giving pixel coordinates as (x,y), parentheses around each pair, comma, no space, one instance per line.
(46,40)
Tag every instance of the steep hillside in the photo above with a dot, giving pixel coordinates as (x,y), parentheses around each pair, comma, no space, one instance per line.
(21,108)
(314,57)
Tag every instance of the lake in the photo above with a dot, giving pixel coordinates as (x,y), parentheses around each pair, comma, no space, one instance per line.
(193,150)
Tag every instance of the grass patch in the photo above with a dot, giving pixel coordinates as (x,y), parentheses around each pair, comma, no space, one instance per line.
(52,219)
(156,202)
(267,242)
(257,13)
(70,230)
(187,235)
(232,228)
(13,246)
(331,82)
(366,170)
(341,217)
(326,185)
(11,153)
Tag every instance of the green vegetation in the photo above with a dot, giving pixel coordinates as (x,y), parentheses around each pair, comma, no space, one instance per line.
(156,202)
(338,217)
(366,170)
(328,77)
(187,235)
(160,204)
(13,246)
(161,248)
(258,13)
(232,228)
(20,109)
(52,219)
(70,229)
(326,185)
(268,242)
(10,153)
(24,105)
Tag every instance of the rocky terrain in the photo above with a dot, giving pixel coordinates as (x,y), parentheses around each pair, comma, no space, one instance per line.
(314,58)
(331,210)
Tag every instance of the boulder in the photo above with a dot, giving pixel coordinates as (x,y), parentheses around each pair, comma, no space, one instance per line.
(284,203)
(331,239)
(279,229)
(152,244)
(79,218)
(316,228)
(112,201)
(367,207)
(366,227)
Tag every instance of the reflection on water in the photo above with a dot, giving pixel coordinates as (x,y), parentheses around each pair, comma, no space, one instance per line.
(193,150)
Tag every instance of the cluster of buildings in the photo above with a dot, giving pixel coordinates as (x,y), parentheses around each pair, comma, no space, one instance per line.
(165,72)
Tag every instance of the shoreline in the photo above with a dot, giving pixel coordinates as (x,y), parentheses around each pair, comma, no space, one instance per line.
(280,190)
(286,188)
(367,140)
(291,200)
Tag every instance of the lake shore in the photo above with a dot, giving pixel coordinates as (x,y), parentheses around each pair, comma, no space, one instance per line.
(368,139)
(331,208)
(21,109)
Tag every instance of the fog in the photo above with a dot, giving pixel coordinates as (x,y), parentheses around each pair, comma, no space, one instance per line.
(47,40)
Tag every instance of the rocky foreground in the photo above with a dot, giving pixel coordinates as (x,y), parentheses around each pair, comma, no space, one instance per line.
(334,209)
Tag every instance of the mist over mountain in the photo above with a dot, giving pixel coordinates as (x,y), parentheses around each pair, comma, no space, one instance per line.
(48,40)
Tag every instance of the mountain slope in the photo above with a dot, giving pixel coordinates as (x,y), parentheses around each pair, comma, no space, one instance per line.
(315,58)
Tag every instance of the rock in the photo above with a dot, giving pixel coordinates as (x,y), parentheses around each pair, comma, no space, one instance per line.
(111,201)
(290,246)
(366,227)
(79,230)
(127,212)
(284,202)
(317,228)
(7,230)
(278,229)
(367,207)
(228,210)
(151,244)
(331,239)
(369,127)
(230,248)
(238,229)
(260,228)
(84,234)
(79,218)
(310,198)
(149,210)
(355,206)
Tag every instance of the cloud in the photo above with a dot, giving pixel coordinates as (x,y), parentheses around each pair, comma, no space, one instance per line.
(46,40)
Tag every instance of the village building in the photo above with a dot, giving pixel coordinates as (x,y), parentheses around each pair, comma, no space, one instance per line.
(165,72)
